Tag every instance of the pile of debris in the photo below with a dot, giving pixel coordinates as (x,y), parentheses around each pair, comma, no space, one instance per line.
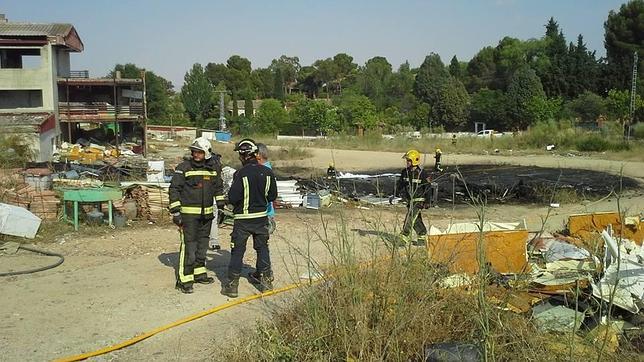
(566,283)
(86,152)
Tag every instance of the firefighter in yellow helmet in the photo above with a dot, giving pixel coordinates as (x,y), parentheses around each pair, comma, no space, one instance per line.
(437,157)
(414,188)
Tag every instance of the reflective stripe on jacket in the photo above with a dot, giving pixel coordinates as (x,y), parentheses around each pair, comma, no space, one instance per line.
(195,187)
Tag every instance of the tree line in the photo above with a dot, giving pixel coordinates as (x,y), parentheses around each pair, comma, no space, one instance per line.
(510,86)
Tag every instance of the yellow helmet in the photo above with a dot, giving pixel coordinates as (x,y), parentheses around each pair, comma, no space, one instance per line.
(438,150)
(413,156)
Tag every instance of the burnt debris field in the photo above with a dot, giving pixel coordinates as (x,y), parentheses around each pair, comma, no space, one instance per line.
(492,183)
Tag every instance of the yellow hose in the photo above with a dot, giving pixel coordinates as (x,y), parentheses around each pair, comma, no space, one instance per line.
(190,318)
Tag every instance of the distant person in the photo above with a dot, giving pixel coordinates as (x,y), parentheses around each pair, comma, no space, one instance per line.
(252,189)
(414,188)
(437,157)
(196,186)
(262,158)
(331,173)
(213,238)
(454,140)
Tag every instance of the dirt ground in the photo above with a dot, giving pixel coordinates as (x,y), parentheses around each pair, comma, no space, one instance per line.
(116,284)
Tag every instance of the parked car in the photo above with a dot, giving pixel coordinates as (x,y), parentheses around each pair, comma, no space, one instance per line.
(489,133)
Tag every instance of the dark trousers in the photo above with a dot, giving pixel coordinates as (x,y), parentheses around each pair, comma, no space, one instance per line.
(194,245)
(415,219)
(242,230)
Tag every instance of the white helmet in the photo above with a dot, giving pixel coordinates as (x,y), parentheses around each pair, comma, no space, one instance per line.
(202,144)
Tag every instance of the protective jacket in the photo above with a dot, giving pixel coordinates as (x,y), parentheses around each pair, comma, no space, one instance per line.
(196,186)
(413,185)
(253,187)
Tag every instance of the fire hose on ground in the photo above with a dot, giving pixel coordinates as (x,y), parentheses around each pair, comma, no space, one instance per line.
(60,260)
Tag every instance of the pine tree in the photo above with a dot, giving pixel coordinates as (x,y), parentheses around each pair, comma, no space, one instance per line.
(553,77)
(455,68)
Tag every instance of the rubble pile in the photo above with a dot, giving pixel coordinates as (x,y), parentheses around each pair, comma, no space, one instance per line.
(588,281)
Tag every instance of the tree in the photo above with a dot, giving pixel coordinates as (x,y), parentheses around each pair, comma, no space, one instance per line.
(289,68)
(451,107)
(481,70)
(455,68)
(237,77)
(618,105)
(588,106)
(262,82)
(430,78)
(373,80)
(624,34)
(489,106)
(309,82)
(158,89)
(197,94)
(216,73)
(325,73)
(248,107)
(582,70)
(524,87)
(344,68)
(278,88)
(271,116)
(315,116)
(356,110)
(553,76)
(512,54)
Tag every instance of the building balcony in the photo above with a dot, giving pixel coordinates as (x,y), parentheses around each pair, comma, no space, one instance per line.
(98,112)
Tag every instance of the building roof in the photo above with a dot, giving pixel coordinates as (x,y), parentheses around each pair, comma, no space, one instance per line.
(34,29)
(56,33)
(23,119)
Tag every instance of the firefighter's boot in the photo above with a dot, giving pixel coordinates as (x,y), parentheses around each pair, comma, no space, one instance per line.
(231,287)
(184,288)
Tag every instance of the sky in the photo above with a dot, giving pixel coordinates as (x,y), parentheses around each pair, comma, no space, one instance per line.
(169,36)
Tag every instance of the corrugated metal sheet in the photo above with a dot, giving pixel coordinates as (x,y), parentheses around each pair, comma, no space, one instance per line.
(34,29)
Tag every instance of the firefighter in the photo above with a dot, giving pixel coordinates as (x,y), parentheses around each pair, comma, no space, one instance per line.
(253,187)
(414,188)
(437,157)
(195,188)
(331,172)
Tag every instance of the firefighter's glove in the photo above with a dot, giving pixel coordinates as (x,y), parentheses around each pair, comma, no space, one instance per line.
(176,219)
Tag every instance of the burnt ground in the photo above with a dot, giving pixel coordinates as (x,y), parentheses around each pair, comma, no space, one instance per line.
(492,183)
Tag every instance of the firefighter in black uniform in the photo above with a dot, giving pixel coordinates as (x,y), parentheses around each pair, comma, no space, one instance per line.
(414,188)
(196,186)
(253,187)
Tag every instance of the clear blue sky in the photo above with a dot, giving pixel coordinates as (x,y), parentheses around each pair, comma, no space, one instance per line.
(168,36)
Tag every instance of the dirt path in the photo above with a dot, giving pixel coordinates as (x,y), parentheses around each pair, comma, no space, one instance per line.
(370,160)
(117,284)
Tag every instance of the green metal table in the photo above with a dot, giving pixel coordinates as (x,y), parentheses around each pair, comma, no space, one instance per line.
(100,195)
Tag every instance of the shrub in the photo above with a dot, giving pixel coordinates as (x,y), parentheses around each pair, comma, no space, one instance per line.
(597,143)
(15,151)
(638,131)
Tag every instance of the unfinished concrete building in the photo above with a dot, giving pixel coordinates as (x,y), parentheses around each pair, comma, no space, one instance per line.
(46,102)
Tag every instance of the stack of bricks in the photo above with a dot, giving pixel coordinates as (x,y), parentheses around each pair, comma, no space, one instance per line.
(42,203)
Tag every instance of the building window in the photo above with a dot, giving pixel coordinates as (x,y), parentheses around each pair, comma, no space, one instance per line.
(11,99)
(20,59)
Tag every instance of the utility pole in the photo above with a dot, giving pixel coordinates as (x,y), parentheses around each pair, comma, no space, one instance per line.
(633,95)
(222,109)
